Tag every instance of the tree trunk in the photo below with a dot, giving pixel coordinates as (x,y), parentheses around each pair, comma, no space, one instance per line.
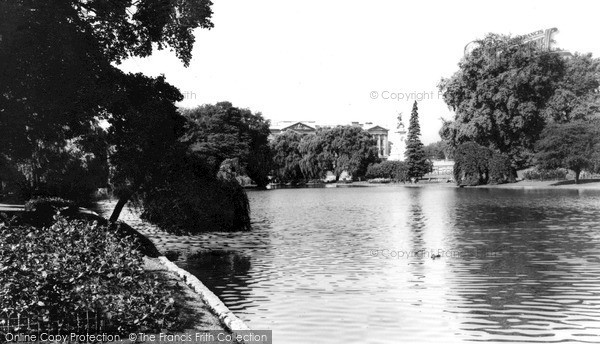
(119,207)
(577,176)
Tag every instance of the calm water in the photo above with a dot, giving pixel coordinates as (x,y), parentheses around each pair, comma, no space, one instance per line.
(353,265)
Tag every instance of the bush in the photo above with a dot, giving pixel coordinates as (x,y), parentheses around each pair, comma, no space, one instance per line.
(471,164)
(395,170)
(50,275)
(380,181)
(40,211)
(500,169)
(542,174)
(477,165)
(48,204)
(192,201)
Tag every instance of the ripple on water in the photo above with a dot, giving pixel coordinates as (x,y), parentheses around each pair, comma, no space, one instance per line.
(517,265)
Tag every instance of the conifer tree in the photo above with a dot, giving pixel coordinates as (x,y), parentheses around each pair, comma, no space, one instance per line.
(416,162)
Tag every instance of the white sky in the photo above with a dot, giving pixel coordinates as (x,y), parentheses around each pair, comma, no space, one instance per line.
(320,60)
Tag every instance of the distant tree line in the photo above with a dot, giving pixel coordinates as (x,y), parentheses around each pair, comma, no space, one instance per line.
(303,157)
(523,104)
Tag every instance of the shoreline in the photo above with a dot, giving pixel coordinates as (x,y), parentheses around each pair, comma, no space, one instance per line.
(211,313)
(584,184)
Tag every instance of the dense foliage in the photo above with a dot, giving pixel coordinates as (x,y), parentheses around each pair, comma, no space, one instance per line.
(439,150)
(222,131)
(542,174)
(144,135)
(51,275)
(394,170)
(506,92)
(575,146)
(299,157)
(192,200)
(476,165)
(41,211)
(287,157)
(416,162)
(61,91)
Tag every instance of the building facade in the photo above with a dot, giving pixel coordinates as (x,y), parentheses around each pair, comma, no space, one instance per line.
(310,127)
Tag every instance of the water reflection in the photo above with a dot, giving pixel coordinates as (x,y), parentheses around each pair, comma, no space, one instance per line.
(534,283)
(220,270)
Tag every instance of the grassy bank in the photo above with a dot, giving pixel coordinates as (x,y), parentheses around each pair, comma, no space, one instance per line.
(584,184)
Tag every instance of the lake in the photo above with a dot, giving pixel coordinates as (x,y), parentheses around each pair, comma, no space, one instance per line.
(350,265)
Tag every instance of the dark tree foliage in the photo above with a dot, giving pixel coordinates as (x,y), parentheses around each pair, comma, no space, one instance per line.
(348,148)
(191,200)
(499,96)
(59,83)
(287,157)
(222,131)
(471,164)
(500,169)
(477,165)
(145,128)
(54,80)
(343,148)
(132,27)
(178,188)
(395,170)
(416,161)
(575,146)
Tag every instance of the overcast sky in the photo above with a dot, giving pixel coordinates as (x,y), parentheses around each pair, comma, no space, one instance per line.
(327,60)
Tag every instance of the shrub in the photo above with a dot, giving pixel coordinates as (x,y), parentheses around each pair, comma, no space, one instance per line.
(53,274)
(543,174)
(40,211)
(48,204)
(395,170)
(192,201)
(380,181)
(500,169)
(471,164)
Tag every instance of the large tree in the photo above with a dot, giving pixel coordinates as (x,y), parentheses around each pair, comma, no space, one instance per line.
(416,162)
(499,95)
(223,131)
(348,148)
(317,158)
(339,149)
(574,145)
(55,61)
(56,64)
(55,78)
(577,95)
(287,157)
(144,132)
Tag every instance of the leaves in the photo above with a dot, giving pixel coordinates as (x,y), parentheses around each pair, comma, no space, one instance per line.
(222,131)
(58,272)
(310,156)
(416,162)
(575,146)
(499,96)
